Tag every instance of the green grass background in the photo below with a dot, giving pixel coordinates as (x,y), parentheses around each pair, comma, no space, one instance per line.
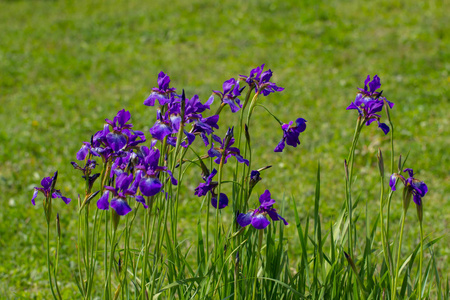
(65,66)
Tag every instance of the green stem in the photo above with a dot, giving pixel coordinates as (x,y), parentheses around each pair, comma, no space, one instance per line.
(48,261)
(351,160)
(397,264)
(384,240)
(420,260)
(261,233)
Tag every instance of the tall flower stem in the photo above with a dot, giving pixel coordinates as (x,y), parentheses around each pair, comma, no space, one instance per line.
(260,238)
(348,183)
(384,240)
(219,185)
(48,262)
(397,264)
(420,260)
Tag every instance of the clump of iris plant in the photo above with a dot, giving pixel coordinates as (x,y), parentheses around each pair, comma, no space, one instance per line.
(369,102)
(258,217)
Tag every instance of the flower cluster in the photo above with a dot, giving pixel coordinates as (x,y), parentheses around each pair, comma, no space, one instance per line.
(369,102)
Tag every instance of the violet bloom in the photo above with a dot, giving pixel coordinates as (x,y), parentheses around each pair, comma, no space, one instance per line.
(149,172)
(413,186)
(119,195)
(162,93)
(209,186)
(230,94)
(48,189)
(258,217)
(261,81)
(291,134)
(225,149)
(369,102)
(109,144)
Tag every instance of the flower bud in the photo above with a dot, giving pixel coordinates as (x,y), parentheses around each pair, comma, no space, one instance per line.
(406,198)
(380,162)
(58,226)
(247,134)
(419,212)
(346,169)
(229,135)
(115,219)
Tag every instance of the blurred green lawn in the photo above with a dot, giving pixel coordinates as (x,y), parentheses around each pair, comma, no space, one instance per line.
(65,66)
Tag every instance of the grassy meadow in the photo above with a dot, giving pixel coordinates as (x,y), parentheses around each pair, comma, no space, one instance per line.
(65,66)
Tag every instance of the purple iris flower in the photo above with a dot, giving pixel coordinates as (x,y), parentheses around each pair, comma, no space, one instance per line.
(414,186)
(291,134)
(209,186)
(258,217)
(261,81)
(225,149)
(108,144)
(230,94)
(369,102)
(48,189)
(119,195)
(149,171)
(204,127)
(162,93)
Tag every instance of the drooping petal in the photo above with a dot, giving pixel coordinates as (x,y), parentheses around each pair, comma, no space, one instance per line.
(392,181)
(383,127)
(81,154)
(121,206)
(244,219)
(34,196)
(103,202)
(280,146)
(150,186)
(417,199)
(141,199)
(65,199)
(223,201)
(260,221)
(160,130)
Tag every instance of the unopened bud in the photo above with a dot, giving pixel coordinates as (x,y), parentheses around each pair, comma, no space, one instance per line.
(420,212)
(380,162)
(346,169)
(229,135)
(406,198)
(247,134)
(55,177)
(58,226)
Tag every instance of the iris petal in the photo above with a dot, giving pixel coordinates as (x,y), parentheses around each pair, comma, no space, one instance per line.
(120,206)
(150,186)
(103,202)
(244,219)
(260,222)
